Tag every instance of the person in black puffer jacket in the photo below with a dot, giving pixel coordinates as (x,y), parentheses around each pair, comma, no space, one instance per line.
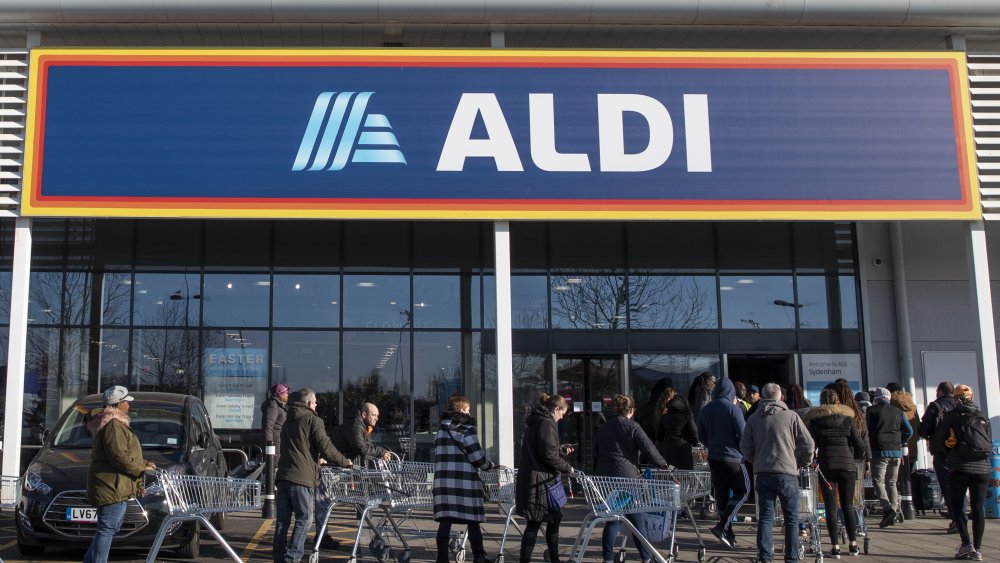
(676,431)
(840,449)
(965,472)
(620,446)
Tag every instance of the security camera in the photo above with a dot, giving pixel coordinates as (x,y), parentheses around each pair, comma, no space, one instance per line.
(877,262)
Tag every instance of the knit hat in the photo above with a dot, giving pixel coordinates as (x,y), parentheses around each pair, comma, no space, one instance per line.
(882,395)
(863,398)
(279,389)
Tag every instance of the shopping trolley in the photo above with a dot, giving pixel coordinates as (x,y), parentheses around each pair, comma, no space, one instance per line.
(810,539)
(612,498)
(193,497)
(708,504)
(695,486)
(10,493)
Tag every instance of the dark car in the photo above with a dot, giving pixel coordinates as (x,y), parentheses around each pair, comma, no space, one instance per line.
(175,433)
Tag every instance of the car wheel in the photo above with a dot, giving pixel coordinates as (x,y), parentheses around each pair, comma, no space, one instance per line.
(218,520)
(191,550)
(28,549)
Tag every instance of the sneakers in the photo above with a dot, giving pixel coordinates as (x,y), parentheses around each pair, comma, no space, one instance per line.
(721,535)
(965,551)
(854,550)
(888,518)
(731,536)
(975,556)
(835,553)
(952,528)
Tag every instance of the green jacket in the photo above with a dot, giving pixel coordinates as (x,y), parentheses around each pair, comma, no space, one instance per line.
(116,466)
(303,442)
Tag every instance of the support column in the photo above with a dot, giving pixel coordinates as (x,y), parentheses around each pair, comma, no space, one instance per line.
(505,351)
(17,347)
(982,304)
(905,345)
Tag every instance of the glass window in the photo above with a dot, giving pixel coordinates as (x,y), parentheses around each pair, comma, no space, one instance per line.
(377,301)
(236,300)
(167,299)
(437,373)
(114,359)
(673,302)
(235,366)
(675,370)
(848,302)
(75,377)
(757,302)
(45,297)
(531,379)
(165,360)
(377,370)
(5,281)
(653,246)
(310,359)
(437,301)
(306,300)
(754,246)
(43,394)
(76,299)
(824,247)
(827,302)
(113,247)
(528,302)
(48,244)
(489,303)
(588,302)
(117,300)
(593,245)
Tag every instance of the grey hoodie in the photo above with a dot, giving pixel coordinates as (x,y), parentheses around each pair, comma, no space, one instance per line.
(776,440)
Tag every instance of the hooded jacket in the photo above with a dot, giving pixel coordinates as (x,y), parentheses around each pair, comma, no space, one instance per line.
(836,436)
(116,458)
(539,465)
(904,402)
(720,424)
(952,423)
(776,440)
(274,411)
(303,442)
(932,417)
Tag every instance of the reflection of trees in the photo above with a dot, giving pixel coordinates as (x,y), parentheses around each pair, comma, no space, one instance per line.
(166,360)
(117,294)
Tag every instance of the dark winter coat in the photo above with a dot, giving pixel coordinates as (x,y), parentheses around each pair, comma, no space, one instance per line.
(888,430)
(721,423)
(953,422)
(354,441)
(932,416)
(676,432)
(836,436)
(539,466)
(458,458)
(618,446)
(274,414)
(116,461)
(904,402)
(303,442)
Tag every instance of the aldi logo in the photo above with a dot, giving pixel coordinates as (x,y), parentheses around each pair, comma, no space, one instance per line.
(371,142)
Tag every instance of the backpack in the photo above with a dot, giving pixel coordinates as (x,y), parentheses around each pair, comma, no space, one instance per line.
(974,438)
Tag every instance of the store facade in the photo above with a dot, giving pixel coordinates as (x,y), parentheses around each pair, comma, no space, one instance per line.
(396,226)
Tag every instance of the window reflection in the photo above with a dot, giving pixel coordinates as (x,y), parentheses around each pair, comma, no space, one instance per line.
(165,360)
(589,302)
(114,358)
(236,300)
(437,373)
(530,381)
(528,302)
(377,370)
(673,302)
(827,302)
(437,302)
(306,301)
(117,298)
(377,301)
(234,363)
(5,282)
(42,391)
(76,298)
(310,359)
(166,299)
(45,298)
(757,302)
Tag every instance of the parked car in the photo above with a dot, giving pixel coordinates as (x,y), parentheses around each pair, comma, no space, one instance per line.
(175,433)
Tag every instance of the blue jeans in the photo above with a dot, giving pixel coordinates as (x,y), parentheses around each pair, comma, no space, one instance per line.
(109,521)
(785,487)
(292,499)
(611,534)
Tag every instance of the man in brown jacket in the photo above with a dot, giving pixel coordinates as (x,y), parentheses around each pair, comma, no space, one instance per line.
(116,467)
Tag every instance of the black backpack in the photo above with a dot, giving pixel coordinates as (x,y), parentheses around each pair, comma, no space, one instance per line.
(975,440)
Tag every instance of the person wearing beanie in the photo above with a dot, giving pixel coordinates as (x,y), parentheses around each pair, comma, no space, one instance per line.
(864,401)
(888,430)
(274,413)
(965,434)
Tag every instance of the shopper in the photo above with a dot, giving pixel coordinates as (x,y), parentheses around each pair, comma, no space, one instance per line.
(741,398)
(864,400)
(832,428)
(933,416)
(304,443)
(274,413)
(620,446)
(458,490)
(676,431)
(648,414)
(720,428)
(700,392)
(903,400)
(796,399)
(777,442)
(538,471)
(965,434)
(116,469)
(355,440)
(888,430)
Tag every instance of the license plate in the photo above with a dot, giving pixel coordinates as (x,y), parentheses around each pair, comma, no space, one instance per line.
(81,515)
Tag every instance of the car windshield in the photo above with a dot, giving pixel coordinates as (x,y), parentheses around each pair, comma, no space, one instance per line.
(157,425)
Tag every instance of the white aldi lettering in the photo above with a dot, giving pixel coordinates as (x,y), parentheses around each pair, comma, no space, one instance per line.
(611,108)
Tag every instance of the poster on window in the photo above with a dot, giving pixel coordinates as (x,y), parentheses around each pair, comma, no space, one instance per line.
(819,370)
(235,384)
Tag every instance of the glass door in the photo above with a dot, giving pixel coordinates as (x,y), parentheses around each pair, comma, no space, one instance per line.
(588,383)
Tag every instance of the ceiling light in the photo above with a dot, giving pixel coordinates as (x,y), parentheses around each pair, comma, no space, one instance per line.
(561,288)
(745,280)
(264,283)
(726,288)
(365,284)
(574,280)
(229,285)
(298,286)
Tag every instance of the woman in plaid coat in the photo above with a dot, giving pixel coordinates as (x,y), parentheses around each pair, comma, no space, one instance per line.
(458,490)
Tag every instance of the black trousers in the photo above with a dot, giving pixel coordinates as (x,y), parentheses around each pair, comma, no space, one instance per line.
(444,537)
(731,482)
(976,485)
(841,487)
(551,521)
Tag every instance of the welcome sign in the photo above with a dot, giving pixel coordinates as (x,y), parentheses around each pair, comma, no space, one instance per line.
(499,134)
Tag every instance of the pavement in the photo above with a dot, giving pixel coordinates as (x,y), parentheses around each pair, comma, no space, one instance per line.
(921,539)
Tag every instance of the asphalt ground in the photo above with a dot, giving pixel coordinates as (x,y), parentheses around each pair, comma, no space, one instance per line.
(921,539)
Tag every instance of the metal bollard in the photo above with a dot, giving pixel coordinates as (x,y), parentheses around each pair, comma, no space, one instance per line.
(267,507)
(905,493)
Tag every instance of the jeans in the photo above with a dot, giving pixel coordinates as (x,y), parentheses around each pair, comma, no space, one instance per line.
(298,500)
(976,485)
(611,534)
(729,476)
(885,471)
(785,487)
(109,521)
(551,521)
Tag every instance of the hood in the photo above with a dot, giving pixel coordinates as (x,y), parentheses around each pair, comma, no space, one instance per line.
(904,401)
(452,419)
(299,410)
(276,401)
(771,408)
(966,407)
(724,389)
(96,424)
(826,411)
(538,415)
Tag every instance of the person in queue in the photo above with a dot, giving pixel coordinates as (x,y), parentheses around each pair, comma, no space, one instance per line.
(274,413)
(116,469)
(676,430)
(355,440)
(540,464)
(832,428)
(304,446)
(888,431)
(932,418)
(620,445)
(720,428)
(458,489)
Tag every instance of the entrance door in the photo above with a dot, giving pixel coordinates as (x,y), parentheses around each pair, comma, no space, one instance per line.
(758,369)
(589,383)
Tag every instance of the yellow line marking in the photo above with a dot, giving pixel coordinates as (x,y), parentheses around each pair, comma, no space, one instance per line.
(252,546)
